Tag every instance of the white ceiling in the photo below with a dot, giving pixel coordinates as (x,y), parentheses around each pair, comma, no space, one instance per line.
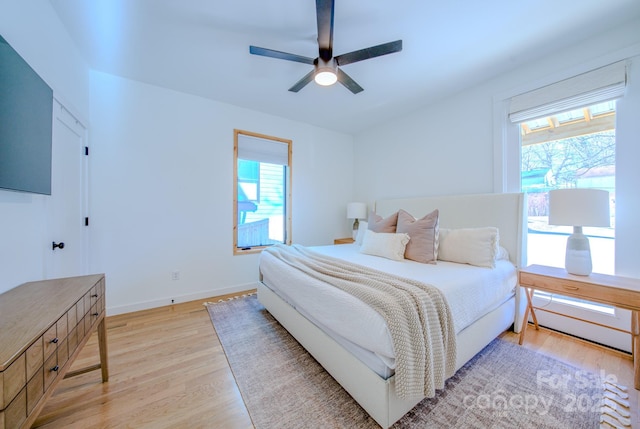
(201,47)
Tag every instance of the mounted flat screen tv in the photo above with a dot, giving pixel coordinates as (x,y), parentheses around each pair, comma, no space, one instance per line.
(26,117)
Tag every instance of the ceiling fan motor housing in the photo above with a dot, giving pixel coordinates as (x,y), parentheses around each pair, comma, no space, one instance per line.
(326,72)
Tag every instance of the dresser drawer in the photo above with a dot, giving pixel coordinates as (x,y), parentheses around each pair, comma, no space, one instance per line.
(62,327)
(72,340)
(80,329)
(87,302)
(35,357)
(72,319)
(13,380)
(63,352)
(16,413)
(87,323)
(80,310)
(95,312)
(51,369)
(50,341)
(35,389)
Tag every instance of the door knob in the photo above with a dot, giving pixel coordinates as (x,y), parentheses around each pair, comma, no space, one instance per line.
(58,245)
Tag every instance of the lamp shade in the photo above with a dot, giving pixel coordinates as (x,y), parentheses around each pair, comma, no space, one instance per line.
(356,211)
(579,207)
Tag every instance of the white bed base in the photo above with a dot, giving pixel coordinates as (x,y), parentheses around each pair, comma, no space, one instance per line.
(375,394)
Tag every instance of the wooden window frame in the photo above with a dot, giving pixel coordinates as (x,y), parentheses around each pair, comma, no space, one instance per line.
(288,184)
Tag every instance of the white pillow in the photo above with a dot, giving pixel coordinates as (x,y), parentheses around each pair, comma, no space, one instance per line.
(386,244)
(474,246)
(502,254)
(363,225)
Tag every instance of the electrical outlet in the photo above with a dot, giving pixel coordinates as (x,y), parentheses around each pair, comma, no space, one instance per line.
(175,275)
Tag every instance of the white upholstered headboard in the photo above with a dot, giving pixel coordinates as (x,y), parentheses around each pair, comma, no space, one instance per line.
(507,212)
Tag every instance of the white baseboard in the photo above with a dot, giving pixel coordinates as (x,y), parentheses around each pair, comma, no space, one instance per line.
(146,305)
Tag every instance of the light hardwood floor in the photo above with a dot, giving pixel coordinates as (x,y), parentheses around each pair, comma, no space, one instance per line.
(168,370)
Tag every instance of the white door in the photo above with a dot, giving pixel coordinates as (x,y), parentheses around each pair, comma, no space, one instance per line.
(66,207)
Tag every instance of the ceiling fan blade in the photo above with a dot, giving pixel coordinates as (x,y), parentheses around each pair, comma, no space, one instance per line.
(351,84)
(302,82)
(255,50)
(372,52)
(324,14)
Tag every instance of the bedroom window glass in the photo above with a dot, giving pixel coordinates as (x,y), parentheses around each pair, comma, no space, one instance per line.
(262,191)
(572,149)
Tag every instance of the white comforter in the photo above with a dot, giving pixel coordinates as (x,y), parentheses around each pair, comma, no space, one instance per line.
(471,292)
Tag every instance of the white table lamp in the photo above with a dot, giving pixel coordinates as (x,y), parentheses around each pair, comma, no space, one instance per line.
(356,211)
(579,207)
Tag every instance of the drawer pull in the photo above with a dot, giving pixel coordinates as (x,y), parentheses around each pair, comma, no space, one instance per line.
(571,287)
(55,368)
(55,340)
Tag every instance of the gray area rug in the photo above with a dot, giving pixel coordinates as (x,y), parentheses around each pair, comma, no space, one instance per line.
(504,386)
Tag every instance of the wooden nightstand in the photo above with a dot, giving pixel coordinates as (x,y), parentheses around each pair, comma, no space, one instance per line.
(346,240)
(621,292)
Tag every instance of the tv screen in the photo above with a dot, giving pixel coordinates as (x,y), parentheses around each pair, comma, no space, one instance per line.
(26,115)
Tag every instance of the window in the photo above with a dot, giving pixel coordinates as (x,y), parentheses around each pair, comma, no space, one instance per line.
(565,139)
(576,150)
(262,191)
(560,135)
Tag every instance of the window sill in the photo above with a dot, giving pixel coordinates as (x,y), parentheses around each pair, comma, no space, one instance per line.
(248,250)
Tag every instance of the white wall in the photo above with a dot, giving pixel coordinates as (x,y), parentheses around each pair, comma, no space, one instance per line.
(448,147)
(33,30)
(161,191)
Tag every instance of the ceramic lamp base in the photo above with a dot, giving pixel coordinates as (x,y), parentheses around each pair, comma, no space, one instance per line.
(578,255)
(356,224)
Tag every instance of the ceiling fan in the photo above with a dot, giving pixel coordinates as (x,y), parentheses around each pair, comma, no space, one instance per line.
(326,69)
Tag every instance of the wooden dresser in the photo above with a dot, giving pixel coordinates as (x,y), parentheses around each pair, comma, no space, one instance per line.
(43,327)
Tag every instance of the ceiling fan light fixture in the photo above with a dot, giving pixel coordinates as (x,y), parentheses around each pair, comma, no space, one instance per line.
(325,76)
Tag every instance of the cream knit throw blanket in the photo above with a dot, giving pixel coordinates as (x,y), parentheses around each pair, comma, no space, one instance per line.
(417,315)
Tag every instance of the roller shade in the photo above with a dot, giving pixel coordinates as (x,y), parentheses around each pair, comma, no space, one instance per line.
(597,86)
(262,150)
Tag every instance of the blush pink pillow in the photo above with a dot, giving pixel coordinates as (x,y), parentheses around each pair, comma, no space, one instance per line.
(423,233)
(378,224)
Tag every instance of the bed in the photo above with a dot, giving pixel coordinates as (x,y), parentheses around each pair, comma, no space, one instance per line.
(362,365)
